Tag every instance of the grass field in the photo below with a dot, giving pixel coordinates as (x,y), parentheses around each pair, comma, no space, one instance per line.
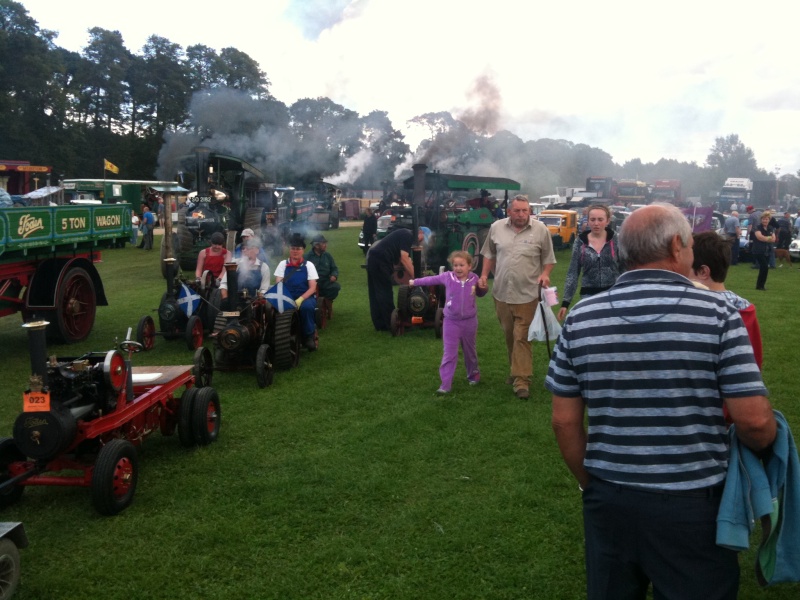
(348,477)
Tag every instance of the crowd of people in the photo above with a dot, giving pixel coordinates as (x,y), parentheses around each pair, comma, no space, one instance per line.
(653,365)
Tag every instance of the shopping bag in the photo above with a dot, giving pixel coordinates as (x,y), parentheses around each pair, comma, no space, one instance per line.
(545,325)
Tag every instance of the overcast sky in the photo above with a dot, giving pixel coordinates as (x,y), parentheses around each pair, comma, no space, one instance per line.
(629,77)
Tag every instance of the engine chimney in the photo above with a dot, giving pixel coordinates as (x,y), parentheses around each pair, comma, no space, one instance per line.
(201,175)
(233,285)
(37,348)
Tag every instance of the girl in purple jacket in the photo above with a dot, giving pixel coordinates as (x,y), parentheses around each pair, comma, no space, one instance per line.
(460,325)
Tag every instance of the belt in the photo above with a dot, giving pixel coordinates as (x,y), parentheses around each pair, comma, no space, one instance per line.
(714,491)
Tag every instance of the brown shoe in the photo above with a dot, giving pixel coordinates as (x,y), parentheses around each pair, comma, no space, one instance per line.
(522,393)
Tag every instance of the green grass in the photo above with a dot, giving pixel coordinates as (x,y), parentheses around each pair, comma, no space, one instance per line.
(348,477)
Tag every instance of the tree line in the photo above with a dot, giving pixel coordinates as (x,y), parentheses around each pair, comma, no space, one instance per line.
(142,110)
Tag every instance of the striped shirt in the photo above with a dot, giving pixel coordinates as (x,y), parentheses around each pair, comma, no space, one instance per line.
(652,358)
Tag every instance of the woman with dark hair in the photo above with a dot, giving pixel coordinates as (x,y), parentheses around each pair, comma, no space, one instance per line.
(594,254)
(763,237)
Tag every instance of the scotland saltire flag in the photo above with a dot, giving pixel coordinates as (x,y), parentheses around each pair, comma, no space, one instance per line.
(188,300)
(279,299)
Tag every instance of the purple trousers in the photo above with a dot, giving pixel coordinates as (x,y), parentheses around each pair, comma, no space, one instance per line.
(457,333)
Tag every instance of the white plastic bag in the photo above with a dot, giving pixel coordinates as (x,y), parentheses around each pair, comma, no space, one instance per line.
(545,326)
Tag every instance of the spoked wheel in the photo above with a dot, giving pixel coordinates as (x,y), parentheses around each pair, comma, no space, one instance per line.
(194,333)
(206,416)
(9,568)
(146,332)
(185,409)
(395,326)
(9,453)
(286,339)
(264,368)
(115,475)
(76,305)
(203,367)
(438,323)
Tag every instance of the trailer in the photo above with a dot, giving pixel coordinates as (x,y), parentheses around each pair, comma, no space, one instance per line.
(47,263)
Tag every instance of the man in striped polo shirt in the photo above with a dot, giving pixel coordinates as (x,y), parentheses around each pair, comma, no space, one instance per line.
(652,360)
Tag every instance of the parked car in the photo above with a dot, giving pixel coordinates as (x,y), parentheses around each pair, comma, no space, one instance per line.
(563,226)
(794,249)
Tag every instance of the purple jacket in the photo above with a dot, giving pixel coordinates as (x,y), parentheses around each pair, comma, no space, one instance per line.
(460,295)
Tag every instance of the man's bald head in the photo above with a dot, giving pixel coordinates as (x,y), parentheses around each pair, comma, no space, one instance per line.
(647,235)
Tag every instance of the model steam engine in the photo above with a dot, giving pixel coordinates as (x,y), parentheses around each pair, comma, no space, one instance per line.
(90,413)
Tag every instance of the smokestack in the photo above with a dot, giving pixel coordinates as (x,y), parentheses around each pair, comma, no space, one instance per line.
(233,285)
(201,175)
(419,200)
(37,348)
(419,184)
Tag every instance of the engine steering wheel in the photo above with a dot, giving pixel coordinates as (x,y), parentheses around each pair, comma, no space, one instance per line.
(130,346)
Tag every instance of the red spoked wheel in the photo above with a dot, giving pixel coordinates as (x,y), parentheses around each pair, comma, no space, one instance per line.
(76,305)
(115,476)
(194,333)
(146,332)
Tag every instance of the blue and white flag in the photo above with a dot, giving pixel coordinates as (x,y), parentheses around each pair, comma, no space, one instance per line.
(279,298)
(188,300)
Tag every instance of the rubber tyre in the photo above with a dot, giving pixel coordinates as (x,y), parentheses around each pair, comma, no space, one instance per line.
(185,408)
(194,333)
(212,309)
(206,416)
(438,323)
(9,568)
(265,370)
(394,324)
(146,332)
(285,339)
(203,367)
(9,453)
(402,302)
(115,475)
(76,305)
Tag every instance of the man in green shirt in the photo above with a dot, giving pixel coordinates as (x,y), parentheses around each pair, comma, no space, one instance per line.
(328,282)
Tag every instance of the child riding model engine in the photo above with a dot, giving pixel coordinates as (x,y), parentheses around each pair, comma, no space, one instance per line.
(187,309)
(90,413)
(250,333)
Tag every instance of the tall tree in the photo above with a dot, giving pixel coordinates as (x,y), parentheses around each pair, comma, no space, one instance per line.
(327,133)
(204,67)
(732,158)
(28,92)
(107,84)
(243,73)
(166,85)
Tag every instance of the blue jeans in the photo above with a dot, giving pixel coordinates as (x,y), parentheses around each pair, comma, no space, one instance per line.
(636,537)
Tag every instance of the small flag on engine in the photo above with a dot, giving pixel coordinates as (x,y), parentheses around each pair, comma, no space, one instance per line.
(279,298)
(188,300)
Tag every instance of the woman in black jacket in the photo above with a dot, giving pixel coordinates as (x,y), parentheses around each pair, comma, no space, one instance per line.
(763,237)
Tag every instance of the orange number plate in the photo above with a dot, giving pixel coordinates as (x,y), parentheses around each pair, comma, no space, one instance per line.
(36,401)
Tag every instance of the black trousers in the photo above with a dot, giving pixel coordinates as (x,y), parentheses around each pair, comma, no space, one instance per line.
(381,296)
(635,538)
(762,260)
